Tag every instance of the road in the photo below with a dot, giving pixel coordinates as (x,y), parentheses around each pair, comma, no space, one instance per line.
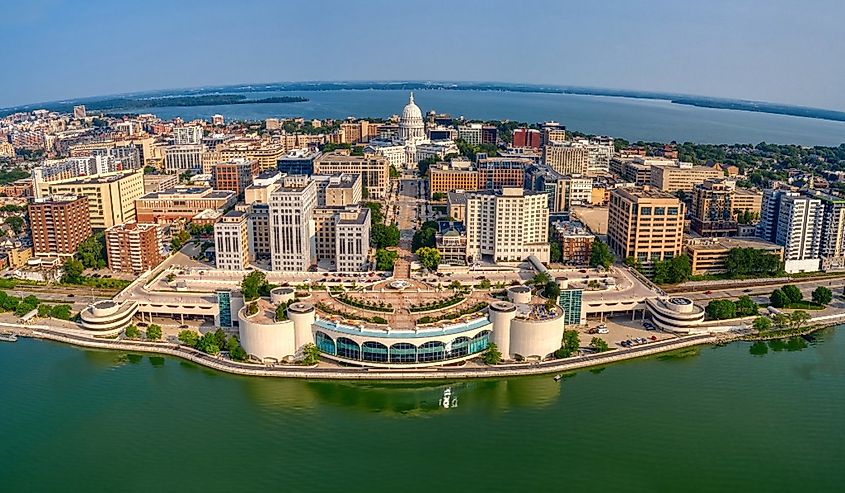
(806,287)
(408,201)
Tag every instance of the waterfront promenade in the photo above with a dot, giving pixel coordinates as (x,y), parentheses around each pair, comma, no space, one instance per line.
(356,373)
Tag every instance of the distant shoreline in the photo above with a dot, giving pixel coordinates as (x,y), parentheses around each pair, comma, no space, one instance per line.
(163,98)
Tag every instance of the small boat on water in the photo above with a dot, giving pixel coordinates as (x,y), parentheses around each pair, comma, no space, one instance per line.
(447,400)
(558,377)
(8,337)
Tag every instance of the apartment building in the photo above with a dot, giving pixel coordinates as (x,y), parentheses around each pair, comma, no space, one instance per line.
(187,135)
(645,223)
(575,240)
(291,214)
(374,170)
(133,247)
(231,241)
(497,172)
(182,202)
(59,224)
(526,137)
(477,134)
(111,196)
(681,176)
(716,204)
(266,153)
(507,225)
(567,158)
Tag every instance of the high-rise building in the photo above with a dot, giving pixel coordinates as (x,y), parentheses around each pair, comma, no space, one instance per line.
(526,137)
(352,233)
(767,228)
(298,162)
(231,241)
(800,232)
(133,247)
(552,132)
(566,158)
(507,225)
(292,225)
(645,224)
(59,224)
(234,175)
(111,196)
(187,135)
(497,172)
(79,111)
(217,120)
(477,134)
(716,205)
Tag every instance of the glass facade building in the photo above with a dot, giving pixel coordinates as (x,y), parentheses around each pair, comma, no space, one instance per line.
(570,301)
(224,300)
(402,352)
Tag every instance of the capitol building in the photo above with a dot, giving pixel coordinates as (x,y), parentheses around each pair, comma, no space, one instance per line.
(411,144)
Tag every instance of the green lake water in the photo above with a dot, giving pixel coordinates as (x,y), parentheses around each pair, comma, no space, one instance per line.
(741,417)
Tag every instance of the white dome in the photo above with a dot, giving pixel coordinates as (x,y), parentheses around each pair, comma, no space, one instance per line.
(411,111)
(411,126)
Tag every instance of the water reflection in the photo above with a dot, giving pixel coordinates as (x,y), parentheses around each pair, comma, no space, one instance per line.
(403,397)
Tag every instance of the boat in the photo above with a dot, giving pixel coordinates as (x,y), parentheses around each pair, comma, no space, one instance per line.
(8,337)
(558,377)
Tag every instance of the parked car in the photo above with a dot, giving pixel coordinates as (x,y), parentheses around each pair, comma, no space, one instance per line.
(602,330)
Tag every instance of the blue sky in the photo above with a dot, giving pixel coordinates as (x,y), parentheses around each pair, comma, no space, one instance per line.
(772,50)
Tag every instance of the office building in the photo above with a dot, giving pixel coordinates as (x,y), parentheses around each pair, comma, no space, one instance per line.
(495,173)
(182,202)
(111,196)
(717,204)
(231,241)
(507,225)
(552,132)
(157,183)
(234,175)
(292,226)
(59,224)
(338,190)
(446,177)
(186,158)
(374,170)
(298,162)
(352,233)
(681,176)
(266,153)
(645,224)
(708,255)
(134,248)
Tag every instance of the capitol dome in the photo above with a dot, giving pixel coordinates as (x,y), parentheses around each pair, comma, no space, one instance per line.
(411,125)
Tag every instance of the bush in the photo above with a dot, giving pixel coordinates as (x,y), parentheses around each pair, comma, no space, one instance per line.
(132,332)
(822,295)
(720,310)
(571,344)
(491,355)
(779,299)
(188,338)
(599,344)
(793,293)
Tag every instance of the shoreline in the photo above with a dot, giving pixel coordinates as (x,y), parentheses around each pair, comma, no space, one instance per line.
(364,373)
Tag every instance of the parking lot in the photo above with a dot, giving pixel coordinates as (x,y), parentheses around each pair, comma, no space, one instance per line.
(620,329)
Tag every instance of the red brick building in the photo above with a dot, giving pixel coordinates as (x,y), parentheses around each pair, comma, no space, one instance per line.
(59,224)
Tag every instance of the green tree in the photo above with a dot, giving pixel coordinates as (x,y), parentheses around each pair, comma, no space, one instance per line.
(394,173)
(429,258)
(822,295)
(188,337)
(73,271)
(571,344)
(555,255)
(762,324)
(16,223)
(484,284)
(92,251)
(491,355)
(633,262)
(600,255)
(781,321)
(540,278)
(778,298)
(385,259)
(745,306)
(376,216)
(552,290)
(798,319)
(438,196)
(253,284)
(236,352)
(220,338)
(424,237)
(679,269)
(282,311)
(423,165)
(793,293)
(154,332)
(310,354)
(599,344)
(132,332)
(383,236)
(721,310)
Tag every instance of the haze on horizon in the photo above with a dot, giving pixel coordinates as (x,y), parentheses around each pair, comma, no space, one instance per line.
(768,50)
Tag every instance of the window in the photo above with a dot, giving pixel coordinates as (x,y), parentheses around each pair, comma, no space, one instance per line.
(645,211)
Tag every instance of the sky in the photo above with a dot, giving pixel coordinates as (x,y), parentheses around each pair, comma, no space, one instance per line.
(770,50)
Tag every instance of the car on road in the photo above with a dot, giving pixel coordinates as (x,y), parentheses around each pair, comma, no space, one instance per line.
(746,290)
(708,292)
(603,330)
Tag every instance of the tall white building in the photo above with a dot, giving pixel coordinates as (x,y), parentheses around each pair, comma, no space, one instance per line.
(292,225)
(179,159)
(188,135)
(352,236)
(231,241)
(507,225)
(799,231)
